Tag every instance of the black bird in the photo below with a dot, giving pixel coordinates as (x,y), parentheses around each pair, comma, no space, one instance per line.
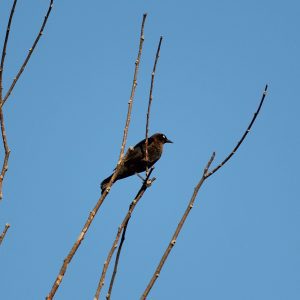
(135,162)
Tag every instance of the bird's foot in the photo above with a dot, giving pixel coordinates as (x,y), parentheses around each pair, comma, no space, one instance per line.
(140,176)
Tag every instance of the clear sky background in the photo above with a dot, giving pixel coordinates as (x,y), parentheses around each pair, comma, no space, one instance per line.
(65,123)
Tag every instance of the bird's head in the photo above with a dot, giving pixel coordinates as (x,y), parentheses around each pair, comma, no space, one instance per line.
(160,137)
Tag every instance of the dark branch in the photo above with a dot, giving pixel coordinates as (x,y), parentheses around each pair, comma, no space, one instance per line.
(150,98)
(29,54)
(5,46)
(244,135)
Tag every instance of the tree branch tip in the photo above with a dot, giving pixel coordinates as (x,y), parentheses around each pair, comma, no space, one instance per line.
(7,225)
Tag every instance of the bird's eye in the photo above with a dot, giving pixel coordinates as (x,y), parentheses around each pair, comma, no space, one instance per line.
(164,137)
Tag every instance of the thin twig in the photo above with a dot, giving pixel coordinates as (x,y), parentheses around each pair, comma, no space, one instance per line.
(150,100)
(2,236)
(206,174)
(145,185)
(3,100)
(93,213)
(29,53)
(112,279)
(244,135)
(2,124)
(6,151)
(5,46)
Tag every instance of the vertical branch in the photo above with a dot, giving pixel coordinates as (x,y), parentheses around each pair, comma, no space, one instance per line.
(40,33)
(206,174)
(2,236)
(134,84)
(150,100)
(137,198)
(6,152)
(93,213)
(130,103)
(5,46)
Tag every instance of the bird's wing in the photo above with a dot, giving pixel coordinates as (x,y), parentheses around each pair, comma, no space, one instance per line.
(138,152)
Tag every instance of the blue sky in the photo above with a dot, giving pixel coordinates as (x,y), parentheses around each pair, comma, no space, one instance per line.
(65,122)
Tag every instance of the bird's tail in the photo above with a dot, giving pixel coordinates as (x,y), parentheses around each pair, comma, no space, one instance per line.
(105,182)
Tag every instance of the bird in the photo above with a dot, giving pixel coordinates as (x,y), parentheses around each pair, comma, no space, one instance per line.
(135,161)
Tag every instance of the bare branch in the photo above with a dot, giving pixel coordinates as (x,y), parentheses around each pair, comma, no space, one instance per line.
(206,174)
(244,135)
(150,99)
(93,213)
(29,53)
(3,100)
(2,236)
(112,279)
(5,46)
(130,103)
(146,184)
(6,151)
(178,229)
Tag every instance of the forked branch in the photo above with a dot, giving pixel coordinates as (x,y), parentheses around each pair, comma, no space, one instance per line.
(40,33)
(12,11)
(3,100)
(206,174)
(93,213)
(146,183)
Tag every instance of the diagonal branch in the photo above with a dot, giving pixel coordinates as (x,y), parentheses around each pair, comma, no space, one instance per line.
(3,100)
(206,174)
(150,99)
(112,279)
(146,183)
(5,46)
(29,53)
(93,213)
(2,236)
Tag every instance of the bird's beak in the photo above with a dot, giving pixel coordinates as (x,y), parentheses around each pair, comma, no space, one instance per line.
(168,141)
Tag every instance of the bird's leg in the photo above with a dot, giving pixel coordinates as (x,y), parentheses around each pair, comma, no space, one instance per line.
(140,176)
